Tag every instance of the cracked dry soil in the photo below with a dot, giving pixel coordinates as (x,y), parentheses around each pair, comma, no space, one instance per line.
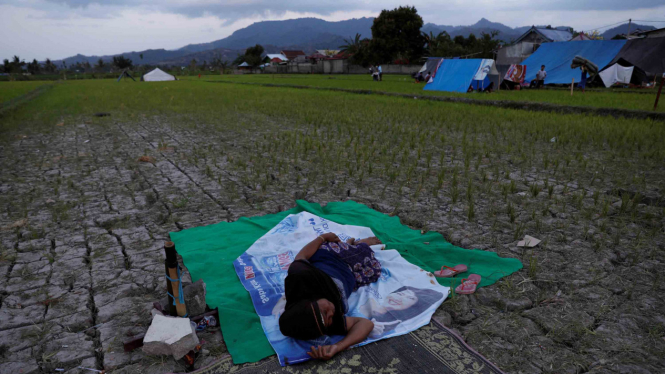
(83,224)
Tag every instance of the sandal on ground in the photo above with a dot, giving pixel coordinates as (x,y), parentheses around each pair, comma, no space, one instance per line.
(468,285)
(450,272)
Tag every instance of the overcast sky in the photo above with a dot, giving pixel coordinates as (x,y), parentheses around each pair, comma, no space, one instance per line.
(63,28)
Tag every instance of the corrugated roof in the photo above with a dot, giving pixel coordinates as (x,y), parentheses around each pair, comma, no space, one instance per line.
(550,34)
(290,55)
(556,35)
(277,55)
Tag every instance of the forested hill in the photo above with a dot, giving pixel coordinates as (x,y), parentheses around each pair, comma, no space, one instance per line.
(307,34)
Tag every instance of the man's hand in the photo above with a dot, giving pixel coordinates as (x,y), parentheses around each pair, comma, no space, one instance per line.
(330,237)
(325,352)
(380,328)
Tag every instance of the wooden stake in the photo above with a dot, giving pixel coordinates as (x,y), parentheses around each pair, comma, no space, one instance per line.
(171,264)
(571,87)
(660,88)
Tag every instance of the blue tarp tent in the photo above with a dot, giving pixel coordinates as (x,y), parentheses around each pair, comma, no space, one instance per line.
(558,56)
(454,75)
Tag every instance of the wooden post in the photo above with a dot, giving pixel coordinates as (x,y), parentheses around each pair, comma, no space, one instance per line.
(660,88)
(571,87)
(171,264)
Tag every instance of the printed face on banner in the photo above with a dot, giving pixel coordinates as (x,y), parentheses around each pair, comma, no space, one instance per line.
(402,300)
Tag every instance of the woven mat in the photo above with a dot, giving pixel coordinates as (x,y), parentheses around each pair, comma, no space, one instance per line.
(430,349)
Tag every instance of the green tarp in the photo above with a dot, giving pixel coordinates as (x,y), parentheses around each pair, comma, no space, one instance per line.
(209,252)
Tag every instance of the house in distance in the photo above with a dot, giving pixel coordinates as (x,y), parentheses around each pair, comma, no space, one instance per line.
(294,56)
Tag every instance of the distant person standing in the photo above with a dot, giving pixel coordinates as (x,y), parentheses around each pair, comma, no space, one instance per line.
(380,70)
(540,77)
(582,84)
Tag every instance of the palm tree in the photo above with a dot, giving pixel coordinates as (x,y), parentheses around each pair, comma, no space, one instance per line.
(49,66)
(100,65)
(352,46)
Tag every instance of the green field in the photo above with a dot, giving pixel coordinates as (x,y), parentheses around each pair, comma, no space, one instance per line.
(404,84)
(96,196)
(10,90)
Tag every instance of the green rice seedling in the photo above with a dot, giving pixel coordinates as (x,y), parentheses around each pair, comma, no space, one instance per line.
(454,189)
(519,231)
(471,212)
(605,208)
(469,190)
(625,202)
(510,211)
(595,196)
(535,189)
(578,199)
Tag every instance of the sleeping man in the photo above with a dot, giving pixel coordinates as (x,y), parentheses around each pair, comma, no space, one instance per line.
(319,282)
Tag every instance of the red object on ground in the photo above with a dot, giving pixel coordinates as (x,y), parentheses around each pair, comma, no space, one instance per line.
(468,285)
(199,76)
(450,272)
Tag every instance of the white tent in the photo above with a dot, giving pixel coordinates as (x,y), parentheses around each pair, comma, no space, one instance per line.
(158,75)
(616,74)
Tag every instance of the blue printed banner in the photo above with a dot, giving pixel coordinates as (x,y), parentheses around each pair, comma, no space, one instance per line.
(402,300)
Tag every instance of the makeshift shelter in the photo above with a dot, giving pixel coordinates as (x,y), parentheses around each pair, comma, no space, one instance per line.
(157,75)
(648,54)
(125,74)
(515,74)
(430,65)
(486,75)
(457,75)
(557,58)
(224,242)
(622,72)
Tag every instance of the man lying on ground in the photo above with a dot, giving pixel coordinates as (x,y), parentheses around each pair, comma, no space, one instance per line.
(319,282)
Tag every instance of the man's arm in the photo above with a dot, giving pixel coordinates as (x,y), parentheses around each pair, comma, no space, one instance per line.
(358,329)
(308,250)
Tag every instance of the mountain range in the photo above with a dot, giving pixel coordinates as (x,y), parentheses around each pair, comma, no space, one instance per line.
(307,34)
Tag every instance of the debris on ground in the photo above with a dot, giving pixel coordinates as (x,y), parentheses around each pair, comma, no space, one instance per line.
(173,336)
(528,241)
(149,159)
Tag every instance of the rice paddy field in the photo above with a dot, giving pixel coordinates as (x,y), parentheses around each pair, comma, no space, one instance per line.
(604,98)
(87,201)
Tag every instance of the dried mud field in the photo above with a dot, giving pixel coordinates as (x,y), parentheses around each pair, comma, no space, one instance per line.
(87,203)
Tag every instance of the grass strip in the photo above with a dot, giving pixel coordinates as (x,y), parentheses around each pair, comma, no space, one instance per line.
(505,104)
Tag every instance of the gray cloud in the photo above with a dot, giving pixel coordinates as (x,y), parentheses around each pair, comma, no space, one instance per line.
(234,9)
(226,10)
(61,28)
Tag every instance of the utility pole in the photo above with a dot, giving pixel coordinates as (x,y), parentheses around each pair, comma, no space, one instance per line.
(630,20)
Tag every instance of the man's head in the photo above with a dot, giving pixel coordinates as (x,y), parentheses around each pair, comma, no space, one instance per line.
(311,319)
(542,67)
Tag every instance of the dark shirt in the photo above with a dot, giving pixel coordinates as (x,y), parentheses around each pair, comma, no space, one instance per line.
(337,269)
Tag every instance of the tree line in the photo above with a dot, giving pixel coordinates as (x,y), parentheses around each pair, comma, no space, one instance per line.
(396,38)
